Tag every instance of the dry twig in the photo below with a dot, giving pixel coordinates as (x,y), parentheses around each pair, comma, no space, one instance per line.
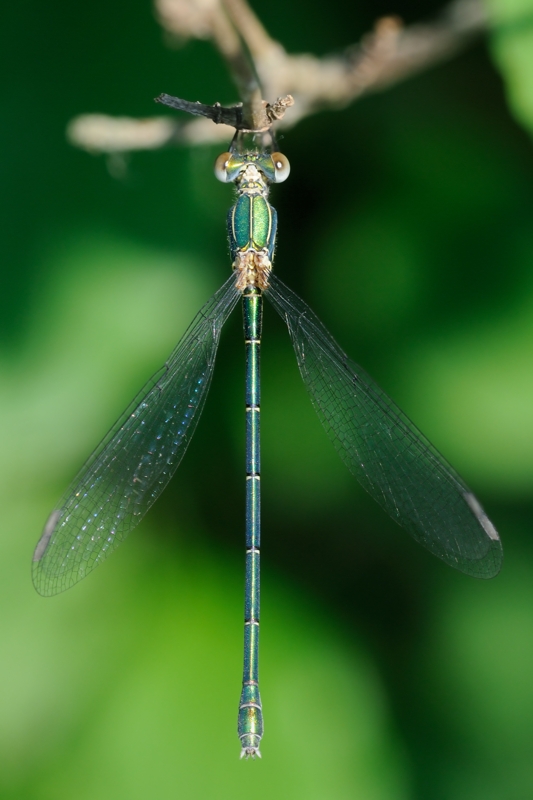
(391,53)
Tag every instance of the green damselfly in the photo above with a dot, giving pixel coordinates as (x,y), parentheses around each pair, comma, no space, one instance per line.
(392,460)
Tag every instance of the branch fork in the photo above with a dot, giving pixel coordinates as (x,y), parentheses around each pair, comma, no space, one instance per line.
(261,67)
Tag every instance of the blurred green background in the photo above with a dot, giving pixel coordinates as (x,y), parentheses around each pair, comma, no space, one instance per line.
(407,225)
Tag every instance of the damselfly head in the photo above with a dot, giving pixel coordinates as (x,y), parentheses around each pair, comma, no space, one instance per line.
(274,166)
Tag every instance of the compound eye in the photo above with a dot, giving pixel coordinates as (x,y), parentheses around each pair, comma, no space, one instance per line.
(282,167)
(221,165)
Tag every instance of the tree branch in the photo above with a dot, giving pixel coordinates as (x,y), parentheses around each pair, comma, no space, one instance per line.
(391,53)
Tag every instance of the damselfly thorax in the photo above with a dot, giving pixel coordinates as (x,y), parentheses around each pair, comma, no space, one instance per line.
(252,221)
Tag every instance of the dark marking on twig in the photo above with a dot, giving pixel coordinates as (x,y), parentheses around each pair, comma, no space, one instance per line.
(231,115)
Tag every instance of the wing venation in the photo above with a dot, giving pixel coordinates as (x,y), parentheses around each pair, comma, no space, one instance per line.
(132,465)
(385,451)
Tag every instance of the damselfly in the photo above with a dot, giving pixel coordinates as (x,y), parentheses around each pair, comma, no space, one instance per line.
(392,460)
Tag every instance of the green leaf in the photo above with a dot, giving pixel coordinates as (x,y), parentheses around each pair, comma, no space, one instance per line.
(512,48)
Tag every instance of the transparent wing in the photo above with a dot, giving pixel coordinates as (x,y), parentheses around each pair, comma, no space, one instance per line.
(133,464)
(388,455)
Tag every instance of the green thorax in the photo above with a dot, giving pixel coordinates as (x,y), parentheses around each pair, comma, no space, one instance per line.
(252,220)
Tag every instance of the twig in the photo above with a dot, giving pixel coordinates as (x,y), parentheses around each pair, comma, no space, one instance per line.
(218,114)
(391,53)
(208,19)
(261,119)
(98,133)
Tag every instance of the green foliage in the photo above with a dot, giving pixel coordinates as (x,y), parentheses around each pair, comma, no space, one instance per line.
(512,46)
